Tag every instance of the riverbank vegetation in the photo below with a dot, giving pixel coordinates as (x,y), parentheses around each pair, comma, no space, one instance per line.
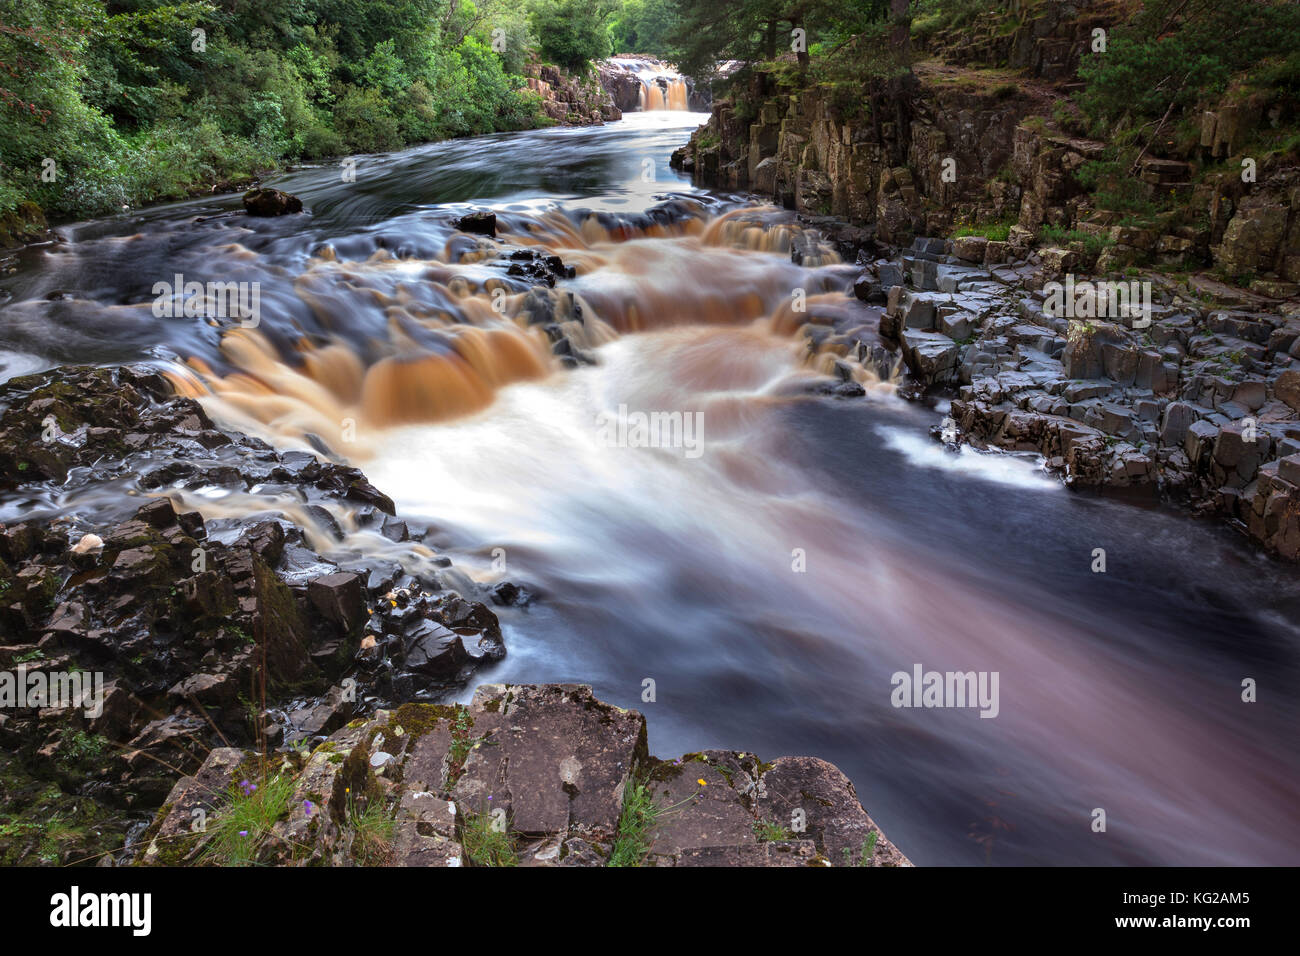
(106,104)
(109,104)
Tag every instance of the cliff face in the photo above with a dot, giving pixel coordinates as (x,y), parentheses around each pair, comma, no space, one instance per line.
(884,167)
(570,100)
(955,146)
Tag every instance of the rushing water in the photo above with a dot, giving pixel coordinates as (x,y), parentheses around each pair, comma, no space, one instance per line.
(772,583)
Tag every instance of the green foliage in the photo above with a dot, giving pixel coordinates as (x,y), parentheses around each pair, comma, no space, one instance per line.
(571,33)
(372,832)
(1173,53)
(646,26)
(1093,243)
(771,832)
(119,102)
(762,30)
(931,16)
(243,824)
(1112,185)
(994,232)
(635,826)
(486,842)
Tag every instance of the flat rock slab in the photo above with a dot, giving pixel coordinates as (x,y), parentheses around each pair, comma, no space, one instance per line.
(556,757)
(834,818)
(699,808)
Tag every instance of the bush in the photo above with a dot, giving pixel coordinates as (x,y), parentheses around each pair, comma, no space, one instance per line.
(1173,53)
(115,98)
(365,122)
(571,33)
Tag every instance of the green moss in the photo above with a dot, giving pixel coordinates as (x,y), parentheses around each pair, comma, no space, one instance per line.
(41,824)
(993,231)
(417,720)
(867,851)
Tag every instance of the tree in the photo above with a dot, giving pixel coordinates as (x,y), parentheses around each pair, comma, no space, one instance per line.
(571,33)
(754,30)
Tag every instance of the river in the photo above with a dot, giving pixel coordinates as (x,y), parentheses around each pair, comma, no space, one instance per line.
(773,578)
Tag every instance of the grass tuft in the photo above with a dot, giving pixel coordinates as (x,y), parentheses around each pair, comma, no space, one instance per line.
(635,826)
(242,826)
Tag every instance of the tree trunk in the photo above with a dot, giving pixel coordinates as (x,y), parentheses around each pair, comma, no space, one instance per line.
(901,37)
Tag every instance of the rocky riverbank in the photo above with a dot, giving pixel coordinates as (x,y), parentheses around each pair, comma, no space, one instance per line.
(1197,400)
(194,624)
(964,186)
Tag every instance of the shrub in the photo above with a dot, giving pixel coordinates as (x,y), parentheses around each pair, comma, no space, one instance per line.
(365,122)
(571,33)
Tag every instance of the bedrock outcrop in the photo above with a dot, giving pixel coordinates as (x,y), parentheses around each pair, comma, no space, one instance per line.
(531,775)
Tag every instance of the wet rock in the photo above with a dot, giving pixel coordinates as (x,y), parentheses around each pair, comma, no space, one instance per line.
(338,599)
(264,201)
(834,818)
(431,649)
(481,223)
(323,716)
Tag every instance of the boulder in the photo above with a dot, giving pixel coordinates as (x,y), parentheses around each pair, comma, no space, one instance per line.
(338,599)
(483,223)
(970,248)
(264,201)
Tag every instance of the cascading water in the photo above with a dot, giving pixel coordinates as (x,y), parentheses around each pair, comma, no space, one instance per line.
(771,583)
(661,87)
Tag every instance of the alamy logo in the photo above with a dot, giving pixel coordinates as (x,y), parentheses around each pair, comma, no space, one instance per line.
(1099,300)
(59,689)
(74,909)
(946,689)
(626,429)
(216,300)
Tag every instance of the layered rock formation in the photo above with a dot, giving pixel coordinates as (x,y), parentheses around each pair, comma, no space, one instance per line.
(189,621)
(951,145)
(570,100)
(1199,401)
(530,775)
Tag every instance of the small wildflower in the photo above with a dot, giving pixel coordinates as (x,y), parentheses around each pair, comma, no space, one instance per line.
(243,833)
(307,807)
(701,782)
